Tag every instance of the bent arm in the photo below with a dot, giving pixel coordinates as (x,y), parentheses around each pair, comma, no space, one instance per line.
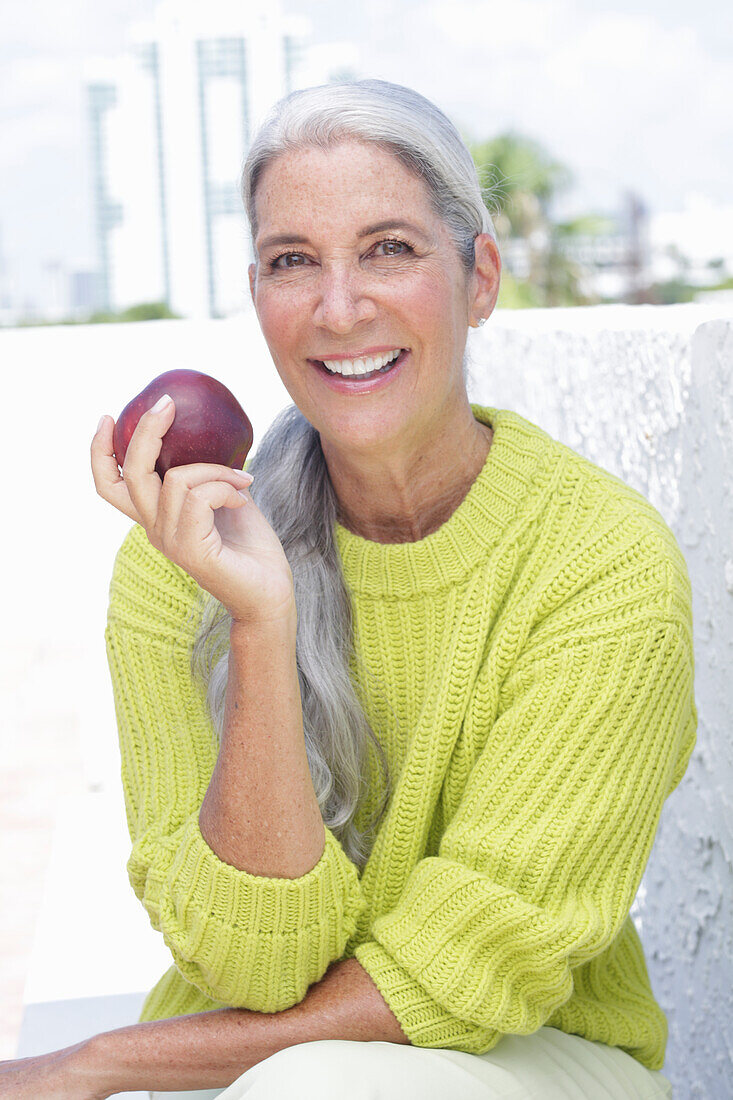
(244,939)
(213,1049)
(260,813)
(537,869)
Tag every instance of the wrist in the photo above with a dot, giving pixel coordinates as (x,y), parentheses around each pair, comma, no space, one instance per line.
(89,1068)
(264,624)
(115,1061)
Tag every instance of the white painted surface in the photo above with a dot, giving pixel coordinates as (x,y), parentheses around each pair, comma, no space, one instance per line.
(646,392)
(54,1025)
(61,537)
(93,936)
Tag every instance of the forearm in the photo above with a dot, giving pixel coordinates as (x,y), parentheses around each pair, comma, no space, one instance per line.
(212,1049)
(260,813)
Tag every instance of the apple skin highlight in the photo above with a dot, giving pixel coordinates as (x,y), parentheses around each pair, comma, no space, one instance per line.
(209,424)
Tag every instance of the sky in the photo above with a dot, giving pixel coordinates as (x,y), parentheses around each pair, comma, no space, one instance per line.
(629,95)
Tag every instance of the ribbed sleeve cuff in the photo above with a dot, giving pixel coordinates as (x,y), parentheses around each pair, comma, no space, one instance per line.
(423,1020)
(248,940)
(328,894)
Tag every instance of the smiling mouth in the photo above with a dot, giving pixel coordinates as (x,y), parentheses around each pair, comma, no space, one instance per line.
(361,377)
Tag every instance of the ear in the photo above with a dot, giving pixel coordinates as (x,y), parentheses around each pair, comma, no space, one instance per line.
(486,278)
(252,272)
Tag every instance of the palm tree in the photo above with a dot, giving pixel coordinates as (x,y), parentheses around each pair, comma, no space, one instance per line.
(528,178)
(519,179)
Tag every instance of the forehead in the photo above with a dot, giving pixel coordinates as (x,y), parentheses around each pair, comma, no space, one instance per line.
(352,182)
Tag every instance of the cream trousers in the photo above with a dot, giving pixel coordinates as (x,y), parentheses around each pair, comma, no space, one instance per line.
(547,1065)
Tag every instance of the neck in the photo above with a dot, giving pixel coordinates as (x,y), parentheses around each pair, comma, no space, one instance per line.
(415,498)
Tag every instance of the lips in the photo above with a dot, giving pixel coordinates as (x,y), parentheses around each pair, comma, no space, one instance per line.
(355,383)
(332,364)
(372,353)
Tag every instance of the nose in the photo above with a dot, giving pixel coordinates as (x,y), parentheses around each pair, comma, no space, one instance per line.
(342,299)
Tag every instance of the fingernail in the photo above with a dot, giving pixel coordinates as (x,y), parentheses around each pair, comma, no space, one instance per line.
(101,422)
(161,403)
(249,478)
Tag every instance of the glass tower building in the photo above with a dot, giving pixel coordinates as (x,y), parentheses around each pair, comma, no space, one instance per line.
(169,125)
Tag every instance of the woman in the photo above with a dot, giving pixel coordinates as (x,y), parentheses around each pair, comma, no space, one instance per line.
(397,723)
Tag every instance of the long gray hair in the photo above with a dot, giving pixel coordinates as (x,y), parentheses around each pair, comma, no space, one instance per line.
(292,487)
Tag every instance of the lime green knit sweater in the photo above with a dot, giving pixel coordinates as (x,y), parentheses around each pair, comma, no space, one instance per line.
(534,666)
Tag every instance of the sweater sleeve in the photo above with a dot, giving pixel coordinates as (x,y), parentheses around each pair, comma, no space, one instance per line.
(244,940)
(539,866)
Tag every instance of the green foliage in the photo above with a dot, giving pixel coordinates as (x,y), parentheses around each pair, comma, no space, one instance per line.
(519,179)
(145,311)
(726,284)
(672,292)
(516,294)
(586,225)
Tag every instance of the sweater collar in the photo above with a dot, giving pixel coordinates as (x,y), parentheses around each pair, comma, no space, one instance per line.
(515,467)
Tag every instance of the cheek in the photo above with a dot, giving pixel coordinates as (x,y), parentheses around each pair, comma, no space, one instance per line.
(426,303)
(418,299)
(430,304)
(280,315)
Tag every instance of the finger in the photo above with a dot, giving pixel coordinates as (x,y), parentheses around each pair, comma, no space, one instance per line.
(105,471)
(179,481)
(196,520)
(143,483)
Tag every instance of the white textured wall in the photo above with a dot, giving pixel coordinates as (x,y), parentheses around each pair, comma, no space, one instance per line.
(647,393)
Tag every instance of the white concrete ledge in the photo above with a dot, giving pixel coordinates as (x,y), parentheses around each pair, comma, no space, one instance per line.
(647,393)
(644,391)
(93,938)
(57,1024)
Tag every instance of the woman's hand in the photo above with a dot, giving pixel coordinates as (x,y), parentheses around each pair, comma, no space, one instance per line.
(60,1075)
(201,517)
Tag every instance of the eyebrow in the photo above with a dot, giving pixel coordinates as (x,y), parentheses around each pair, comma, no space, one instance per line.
(367,231)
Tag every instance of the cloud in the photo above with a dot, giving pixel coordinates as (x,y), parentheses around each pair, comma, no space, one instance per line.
(37,82)
(624,99)
(46,108)
(75,27)
(478,25)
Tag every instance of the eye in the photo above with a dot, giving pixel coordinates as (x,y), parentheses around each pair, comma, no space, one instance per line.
(281,262)
(390,244)
(275,265)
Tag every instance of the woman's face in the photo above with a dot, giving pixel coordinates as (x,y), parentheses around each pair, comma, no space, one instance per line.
(361,265)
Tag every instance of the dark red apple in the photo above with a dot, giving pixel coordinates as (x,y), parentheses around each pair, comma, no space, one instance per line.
(209,424)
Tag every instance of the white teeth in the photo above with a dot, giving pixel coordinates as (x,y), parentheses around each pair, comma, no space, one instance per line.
(362,366)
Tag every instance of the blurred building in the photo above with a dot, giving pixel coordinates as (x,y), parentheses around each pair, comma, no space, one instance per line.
(694,243)
(84,293)
(641,249)
(169,124)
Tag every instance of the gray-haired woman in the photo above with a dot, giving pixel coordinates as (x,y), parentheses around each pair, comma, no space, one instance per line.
(398,722)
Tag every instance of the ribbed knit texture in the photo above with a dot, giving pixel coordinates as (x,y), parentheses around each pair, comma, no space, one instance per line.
(530,676)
